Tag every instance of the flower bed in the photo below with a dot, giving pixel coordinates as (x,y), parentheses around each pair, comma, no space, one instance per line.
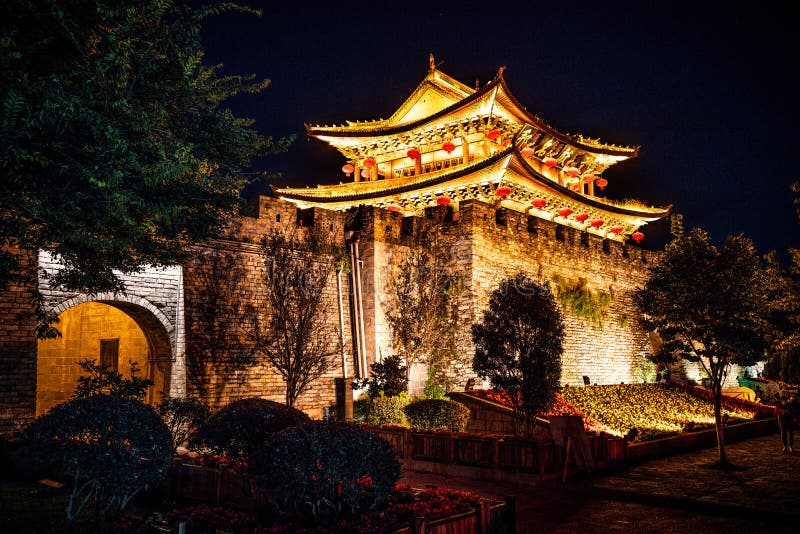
(455,511)
(560,407)
(654,410)
(745,408)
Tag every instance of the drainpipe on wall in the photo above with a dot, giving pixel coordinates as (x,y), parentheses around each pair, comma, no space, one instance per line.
(341,321)
(358,309)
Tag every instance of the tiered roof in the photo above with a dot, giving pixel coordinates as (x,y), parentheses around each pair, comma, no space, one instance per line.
(448,142)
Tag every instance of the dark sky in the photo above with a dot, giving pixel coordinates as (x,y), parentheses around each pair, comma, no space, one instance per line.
(709,94)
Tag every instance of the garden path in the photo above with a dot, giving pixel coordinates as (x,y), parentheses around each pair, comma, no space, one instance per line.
(681,493)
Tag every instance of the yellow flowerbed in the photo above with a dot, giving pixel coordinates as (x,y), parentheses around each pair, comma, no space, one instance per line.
(654,410)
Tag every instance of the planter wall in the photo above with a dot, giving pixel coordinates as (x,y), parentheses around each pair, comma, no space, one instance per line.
(488,518)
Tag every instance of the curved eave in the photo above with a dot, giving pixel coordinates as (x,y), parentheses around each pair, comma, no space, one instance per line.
(509,158)
(381,128)
(399,128)
(519,164)
(527,116)
(323,193)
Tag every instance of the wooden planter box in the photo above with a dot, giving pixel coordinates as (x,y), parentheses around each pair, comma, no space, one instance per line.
(212,485)
(479,452)
(485,519)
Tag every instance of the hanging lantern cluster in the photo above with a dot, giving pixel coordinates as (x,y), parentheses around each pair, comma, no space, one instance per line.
(601,183)
(493,135)
(549,162)
(503,191)
(348,169)
(637,236)
(413,153)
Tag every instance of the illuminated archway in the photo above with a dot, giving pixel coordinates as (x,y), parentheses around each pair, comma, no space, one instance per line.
(116,329)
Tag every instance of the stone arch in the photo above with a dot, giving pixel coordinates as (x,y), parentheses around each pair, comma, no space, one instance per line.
(136,322)
(157,328)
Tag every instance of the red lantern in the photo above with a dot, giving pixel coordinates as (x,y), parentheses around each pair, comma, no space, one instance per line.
(369,162)
(527,152)
(443,201)
(413,153)
(597,223)
(539,203)
(448,147)
(365,173)
(549,162)
(394,207)
(601,183)
(493,135)
(506,142)
(615,229)
(637,236)
(564,212)
(588,177)
(503,191)
(571,171)
(581,217)
(347,169)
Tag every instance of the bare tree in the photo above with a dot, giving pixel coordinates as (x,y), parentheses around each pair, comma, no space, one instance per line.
(289,326)
(421,305)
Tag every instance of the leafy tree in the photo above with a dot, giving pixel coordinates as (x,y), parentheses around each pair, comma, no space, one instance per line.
(292,330)
(388,377)
(101,378)
(115,148)
(110,447)
(709,306)
(421,306)
(519,343)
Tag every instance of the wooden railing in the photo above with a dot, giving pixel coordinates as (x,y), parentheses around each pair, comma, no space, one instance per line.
(498,452)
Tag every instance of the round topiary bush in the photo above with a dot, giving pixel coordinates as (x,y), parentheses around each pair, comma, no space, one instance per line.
(381,410)
(108,447)
(324,469)
(436,414)
(240,427)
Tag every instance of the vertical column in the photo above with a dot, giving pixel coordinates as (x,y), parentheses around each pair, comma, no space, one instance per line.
(465,148)
(418,164)
(357,172)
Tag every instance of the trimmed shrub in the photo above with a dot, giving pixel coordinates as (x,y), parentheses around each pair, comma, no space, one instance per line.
(324,470)
(435,414)
(108,447)
(240,427)
(182,416)
(380,410)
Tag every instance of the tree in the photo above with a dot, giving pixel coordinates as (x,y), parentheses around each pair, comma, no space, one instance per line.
(292,329)
(709,306)
(100,378)
(421,306)
(519,343)
(116,151)
(111,448)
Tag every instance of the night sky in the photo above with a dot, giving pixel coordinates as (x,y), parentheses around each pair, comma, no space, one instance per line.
(708,94)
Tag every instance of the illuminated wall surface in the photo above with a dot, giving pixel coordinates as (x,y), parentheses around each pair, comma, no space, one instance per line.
(82,329)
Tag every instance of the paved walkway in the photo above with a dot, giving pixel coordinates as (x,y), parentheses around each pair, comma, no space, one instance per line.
(682,493)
